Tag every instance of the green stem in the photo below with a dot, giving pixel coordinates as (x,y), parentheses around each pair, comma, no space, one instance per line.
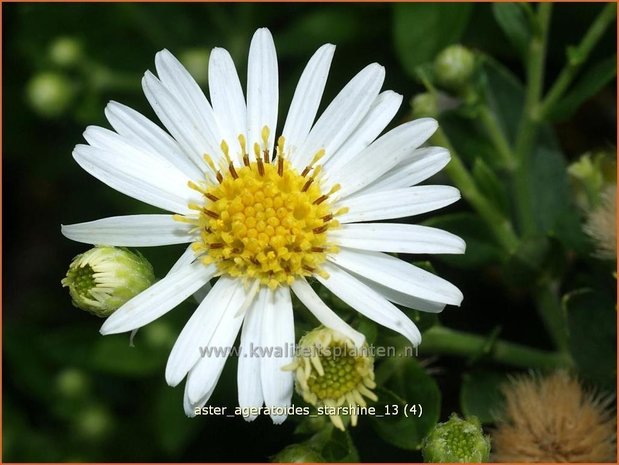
(528,127)
(577,58)
(500,226)
(497,136)
(446,341)
(551,312)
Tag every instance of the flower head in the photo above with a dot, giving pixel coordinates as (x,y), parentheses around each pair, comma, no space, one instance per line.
(104,278)
(601,224)
(265,212)
(330,371)
(456,441)
(553,419)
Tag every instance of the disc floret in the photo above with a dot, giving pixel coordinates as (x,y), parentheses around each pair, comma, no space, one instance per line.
(330,371)
(262,219)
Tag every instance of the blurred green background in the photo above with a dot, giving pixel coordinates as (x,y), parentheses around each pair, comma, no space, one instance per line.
(70,394)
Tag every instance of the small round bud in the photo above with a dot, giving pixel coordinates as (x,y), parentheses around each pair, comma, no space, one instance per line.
(589,176)
(65,52)
(453,67)
(297,453)
(196,62)
(72,383)
(93,423)
(104,278)
(456,440)
(424,105)
(50,94)
(334,374)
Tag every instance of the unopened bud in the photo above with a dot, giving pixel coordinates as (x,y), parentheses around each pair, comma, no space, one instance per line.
(456,441)
(453,67)
(65,52)
(424,106)
(50,94)
(104,278)
(297,453)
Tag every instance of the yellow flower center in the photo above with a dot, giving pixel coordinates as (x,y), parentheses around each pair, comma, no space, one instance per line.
(342,372)
(263,219)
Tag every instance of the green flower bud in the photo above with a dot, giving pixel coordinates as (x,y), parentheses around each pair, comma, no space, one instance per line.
(590,175)
(93,423)
(424,105)
(453,67)
(65,52)
(104,278)
(456,440)
(196,62)
(297,453)
(330,372)
(72,383)
(50,94)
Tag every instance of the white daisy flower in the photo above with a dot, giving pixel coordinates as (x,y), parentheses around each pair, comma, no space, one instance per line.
(264,214)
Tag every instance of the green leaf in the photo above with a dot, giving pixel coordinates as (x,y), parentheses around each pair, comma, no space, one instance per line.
(405,383)
(513,20)
(481,249)
(592,326)
(480,395)
(490,186)
(416,27)
(526,262)
(339,448)
(596,77)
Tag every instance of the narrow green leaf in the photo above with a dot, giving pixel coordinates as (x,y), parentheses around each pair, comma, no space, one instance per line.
(513,21)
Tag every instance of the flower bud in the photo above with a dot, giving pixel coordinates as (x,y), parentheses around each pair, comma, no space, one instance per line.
(196,62)
(297,453)
(104,278)
(601,224)
(65,52)
(456,440)
(424,105)
(589,175)
(50,94)
(453,67)
(333,374)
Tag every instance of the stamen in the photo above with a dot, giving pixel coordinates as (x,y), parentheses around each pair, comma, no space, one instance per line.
(226,150)
(233,171)
(209,162)
(265,137)
(321,199)
(210,213)
(211,197)
(307,185)
(219,177)
(260,167)
(280,166)
(320,229)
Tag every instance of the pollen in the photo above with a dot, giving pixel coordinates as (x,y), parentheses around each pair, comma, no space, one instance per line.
(263,219)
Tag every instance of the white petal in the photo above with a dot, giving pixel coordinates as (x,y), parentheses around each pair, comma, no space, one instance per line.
(204,375)
(182,85)
(130,231)
(137,176)
(307,98)
(226,296)
(278,346)
(420,166)
(142,131)
(381,112)
(189,406)
(382,155)
(323,313)
(398,274)
(342,116)
(188,257)
(248,373)
(368,302)
(262,88)
(397,203)
(227,97)
(113,142)
(403,238)
(176,118)
(158,299)
(400,298)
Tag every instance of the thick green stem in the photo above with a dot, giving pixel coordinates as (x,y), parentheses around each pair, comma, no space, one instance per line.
(528,127)
(445,341)
(497,137)
(551,312)
(577,57)
(500,226)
